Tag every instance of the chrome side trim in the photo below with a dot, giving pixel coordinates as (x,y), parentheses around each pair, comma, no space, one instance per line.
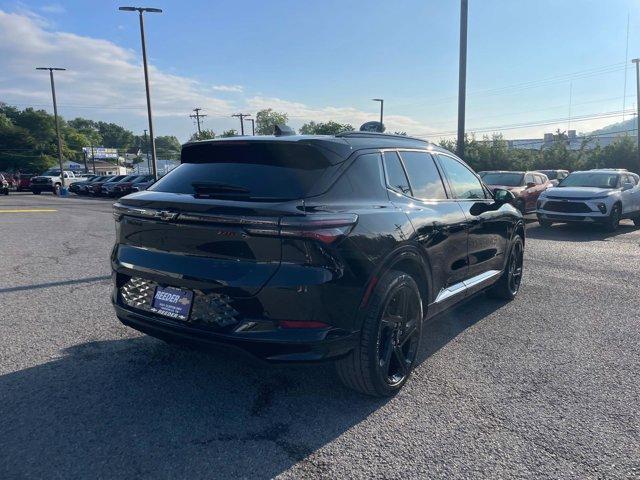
(465,285)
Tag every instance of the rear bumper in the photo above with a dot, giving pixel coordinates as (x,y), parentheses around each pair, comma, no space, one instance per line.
(275,346)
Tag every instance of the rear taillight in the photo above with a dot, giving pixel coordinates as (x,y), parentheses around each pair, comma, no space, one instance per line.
(325,227)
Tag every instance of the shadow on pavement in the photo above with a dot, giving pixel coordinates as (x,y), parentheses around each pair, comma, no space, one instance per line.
(577,232)
(138,407)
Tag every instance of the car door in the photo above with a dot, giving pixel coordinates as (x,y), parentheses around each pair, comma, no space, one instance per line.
(542,182)
(528,194)
(629,197)
(417,187)
(489,225)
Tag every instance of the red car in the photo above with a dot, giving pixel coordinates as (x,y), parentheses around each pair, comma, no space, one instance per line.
(526,186)
(24,182)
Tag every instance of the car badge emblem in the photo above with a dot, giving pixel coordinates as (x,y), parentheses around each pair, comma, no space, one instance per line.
(165,215)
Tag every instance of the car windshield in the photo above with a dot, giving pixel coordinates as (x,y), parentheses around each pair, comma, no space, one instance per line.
(588,179)
(116,179)
(52,173)
(507,179)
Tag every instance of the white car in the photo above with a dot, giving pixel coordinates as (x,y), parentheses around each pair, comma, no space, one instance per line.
(602,196)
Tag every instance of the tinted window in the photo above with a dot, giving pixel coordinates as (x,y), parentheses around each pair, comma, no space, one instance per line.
(507,179)
(246,170)
(363,180)
(396,178)
(463,181)
(423,176)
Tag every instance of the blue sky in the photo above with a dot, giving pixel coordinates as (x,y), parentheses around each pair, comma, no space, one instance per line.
(323,60)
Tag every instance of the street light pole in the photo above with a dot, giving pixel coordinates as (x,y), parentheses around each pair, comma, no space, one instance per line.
(381,108)
(637,62)
(152,144)
(462,80)
(55,115)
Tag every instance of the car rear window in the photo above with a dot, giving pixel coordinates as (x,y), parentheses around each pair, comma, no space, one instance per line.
(251,170)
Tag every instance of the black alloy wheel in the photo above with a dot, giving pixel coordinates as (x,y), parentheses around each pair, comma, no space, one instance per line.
(508,286)
(398,335)
(382,361)
(514,269)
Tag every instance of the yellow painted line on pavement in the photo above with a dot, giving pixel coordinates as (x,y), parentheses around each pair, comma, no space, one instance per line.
(29,210)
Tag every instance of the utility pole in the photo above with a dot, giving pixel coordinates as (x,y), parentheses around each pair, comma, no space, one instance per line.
(152,144)
(241,117)
(462,80)
(253,125)
(637,62)
(146,150)
(197,116)
(381,107)
(55,114)
(93,159)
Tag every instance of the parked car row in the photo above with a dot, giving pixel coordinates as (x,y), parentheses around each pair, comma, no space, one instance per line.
(112,186)
(602,196)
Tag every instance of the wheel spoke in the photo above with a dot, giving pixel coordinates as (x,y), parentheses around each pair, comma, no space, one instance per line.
(410,330)
(388,351)
(402,361)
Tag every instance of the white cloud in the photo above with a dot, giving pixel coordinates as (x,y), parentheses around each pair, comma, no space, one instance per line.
(300,113)
(104,81)
(53,8)
(228,88)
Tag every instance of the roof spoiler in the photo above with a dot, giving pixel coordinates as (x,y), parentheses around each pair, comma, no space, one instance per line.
(282,130)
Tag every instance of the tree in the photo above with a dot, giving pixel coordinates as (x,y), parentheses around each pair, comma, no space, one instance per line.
(168,147)
(325,128)
(203,135)
(267,119)
(229,133)
(115,136)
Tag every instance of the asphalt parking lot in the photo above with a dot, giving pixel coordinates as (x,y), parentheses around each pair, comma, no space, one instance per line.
(545,386)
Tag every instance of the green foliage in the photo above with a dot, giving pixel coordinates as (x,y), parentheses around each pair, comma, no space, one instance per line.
(115,136)
(325,128)
(229,133)
(168,147)
(267,119)
(493,153)
(203,135)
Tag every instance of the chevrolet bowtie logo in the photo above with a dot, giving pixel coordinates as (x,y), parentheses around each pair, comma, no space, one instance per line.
(165,215)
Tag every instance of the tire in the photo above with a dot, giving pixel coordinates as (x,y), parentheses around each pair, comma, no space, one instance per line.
(56,189)
(614,218)
(509,284)
(544,223)
(389,340)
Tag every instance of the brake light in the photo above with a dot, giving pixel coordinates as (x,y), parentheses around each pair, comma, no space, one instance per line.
(324,227)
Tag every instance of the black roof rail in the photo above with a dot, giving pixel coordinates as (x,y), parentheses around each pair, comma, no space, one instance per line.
(378,135)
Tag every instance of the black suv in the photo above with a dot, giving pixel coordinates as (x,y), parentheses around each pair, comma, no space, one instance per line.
(308,248)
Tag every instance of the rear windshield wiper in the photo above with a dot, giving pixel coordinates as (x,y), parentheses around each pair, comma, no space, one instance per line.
(213,189)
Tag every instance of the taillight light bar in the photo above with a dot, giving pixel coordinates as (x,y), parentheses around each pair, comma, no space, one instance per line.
(325,227)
